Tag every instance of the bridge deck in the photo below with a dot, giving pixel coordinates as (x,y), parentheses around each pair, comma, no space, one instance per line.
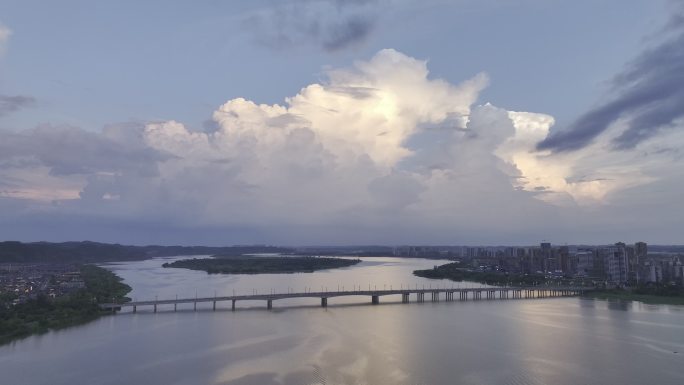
(269,297)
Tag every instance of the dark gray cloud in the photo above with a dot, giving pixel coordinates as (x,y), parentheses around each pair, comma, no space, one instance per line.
(331,25)
(649,95)
(347,33)
(70,151)
(9,104)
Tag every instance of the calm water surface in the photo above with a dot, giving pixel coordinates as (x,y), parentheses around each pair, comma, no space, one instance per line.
(541,341)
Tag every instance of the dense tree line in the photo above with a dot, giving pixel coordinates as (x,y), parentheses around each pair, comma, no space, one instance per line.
(455,272)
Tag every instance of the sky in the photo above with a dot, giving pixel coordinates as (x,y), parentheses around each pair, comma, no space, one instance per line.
(329,122)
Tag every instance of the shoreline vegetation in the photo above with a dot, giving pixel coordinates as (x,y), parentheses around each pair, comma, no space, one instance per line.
(454,272)
(261,265)
(42,314)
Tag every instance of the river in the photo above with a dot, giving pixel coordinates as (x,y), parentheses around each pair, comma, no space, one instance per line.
(522,342)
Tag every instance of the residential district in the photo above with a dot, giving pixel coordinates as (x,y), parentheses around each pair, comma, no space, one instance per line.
(616,265)
(24,281)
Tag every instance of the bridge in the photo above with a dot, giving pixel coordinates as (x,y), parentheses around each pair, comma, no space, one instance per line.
(449,294)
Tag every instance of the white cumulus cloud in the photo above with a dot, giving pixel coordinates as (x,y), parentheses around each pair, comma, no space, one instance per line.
(379,152)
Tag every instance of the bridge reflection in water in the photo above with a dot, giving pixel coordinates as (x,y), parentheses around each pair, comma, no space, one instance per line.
(449,294)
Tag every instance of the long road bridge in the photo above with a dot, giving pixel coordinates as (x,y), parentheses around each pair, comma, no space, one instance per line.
(449,294)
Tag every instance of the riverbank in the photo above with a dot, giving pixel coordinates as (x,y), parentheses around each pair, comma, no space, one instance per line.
(624,295)
(42,314)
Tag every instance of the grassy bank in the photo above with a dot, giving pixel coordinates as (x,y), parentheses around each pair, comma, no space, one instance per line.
(42,314)
(624,295)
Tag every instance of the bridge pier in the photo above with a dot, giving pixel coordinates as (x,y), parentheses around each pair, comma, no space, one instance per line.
(404,297)
(194,306)
(135,309)
(435,296)
(269,304)
(175,307)
(420,297)
(232,305)
(214,307)
(155,307)
(375,299)
(324,302)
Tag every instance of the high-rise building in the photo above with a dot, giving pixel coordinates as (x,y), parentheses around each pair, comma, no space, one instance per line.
(615,263)
(640,253)
(640,249)
(585,263)
(564,256)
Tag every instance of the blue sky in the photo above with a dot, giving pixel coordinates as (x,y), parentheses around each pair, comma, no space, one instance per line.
(100,98)
(94,63)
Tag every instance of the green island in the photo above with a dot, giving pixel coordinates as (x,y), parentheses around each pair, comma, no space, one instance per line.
(41,314)
(455,272)
(261,265)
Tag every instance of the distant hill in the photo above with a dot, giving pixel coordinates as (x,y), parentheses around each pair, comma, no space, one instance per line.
(83,252)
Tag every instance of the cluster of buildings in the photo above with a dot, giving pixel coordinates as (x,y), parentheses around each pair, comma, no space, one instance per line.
(22,282)
(619,264)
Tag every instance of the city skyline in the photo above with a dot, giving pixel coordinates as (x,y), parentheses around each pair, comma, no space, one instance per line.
(337,123)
